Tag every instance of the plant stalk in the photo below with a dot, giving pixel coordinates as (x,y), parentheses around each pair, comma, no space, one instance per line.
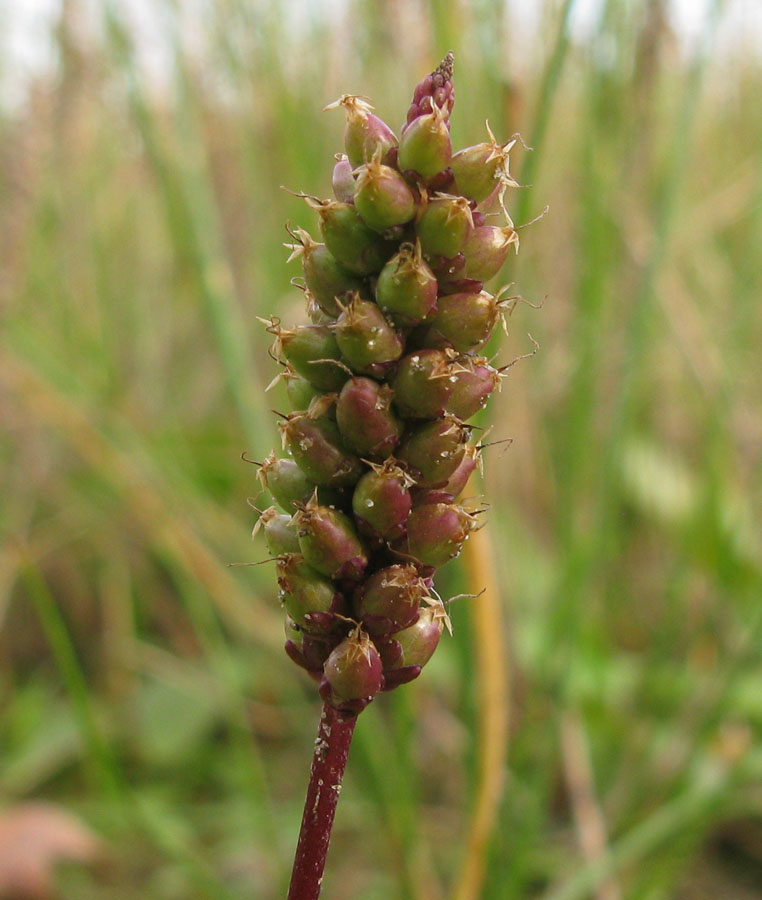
(328,764)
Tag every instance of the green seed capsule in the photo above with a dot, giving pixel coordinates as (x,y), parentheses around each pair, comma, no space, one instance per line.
(434,451)
(367,341)
(365,135)
(423,383)
(316,445)
(285,481)
(326,278)
(308,597)
(445,225)
(300,392)
(418,641)
(357,248)
(407,288)
(280,535)
(366,422)
(329,542)
(313,352)
(478,168)
(425,146)
(382,196)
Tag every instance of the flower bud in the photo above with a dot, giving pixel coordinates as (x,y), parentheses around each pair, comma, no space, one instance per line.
(433,451)
(381,501)
(423,383)
(317,447)
(329,542)
(365,418)
(365,134)
(444,226)
(382,196)
(456,483)
(425,147)
(487,250)
(464,321)
(388,601)
(309,598)
(436,90)
(326,278)
(342,180)
(436,532)
(367,341)
(476,379)
(353,673)
(407,288)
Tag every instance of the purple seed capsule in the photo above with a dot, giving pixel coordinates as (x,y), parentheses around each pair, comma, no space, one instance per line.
(365,134)
(325,277)
(476,380)
(464,321)
(367,424)
(425,147)
(444,226)
(353,673)
(382,196)
(389,600)
(381,501)
(312,600)
(342,180)
(434,451)
(456,483)
(436,532)
(317,448)
(487,250)
(367,341)
(423,383)
(407,288)
(329,543)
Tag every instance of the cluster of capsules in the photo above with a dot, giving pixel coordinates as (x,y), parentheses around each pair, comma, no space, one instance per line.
(383,382)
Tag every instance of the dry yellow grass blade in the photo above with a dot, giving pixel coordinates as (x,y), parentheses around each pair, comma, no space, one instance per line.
(493,709)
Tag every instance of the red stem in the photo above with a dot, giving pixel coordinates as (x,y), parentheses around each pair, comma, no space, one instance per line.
(328,764)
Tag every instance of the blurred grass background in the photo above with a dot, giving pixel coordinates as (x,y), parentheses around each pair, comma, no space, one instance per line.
(143,683)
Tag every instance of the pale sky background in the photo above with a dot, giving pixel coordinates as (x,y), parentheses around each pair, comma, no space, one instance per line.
(25,28)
